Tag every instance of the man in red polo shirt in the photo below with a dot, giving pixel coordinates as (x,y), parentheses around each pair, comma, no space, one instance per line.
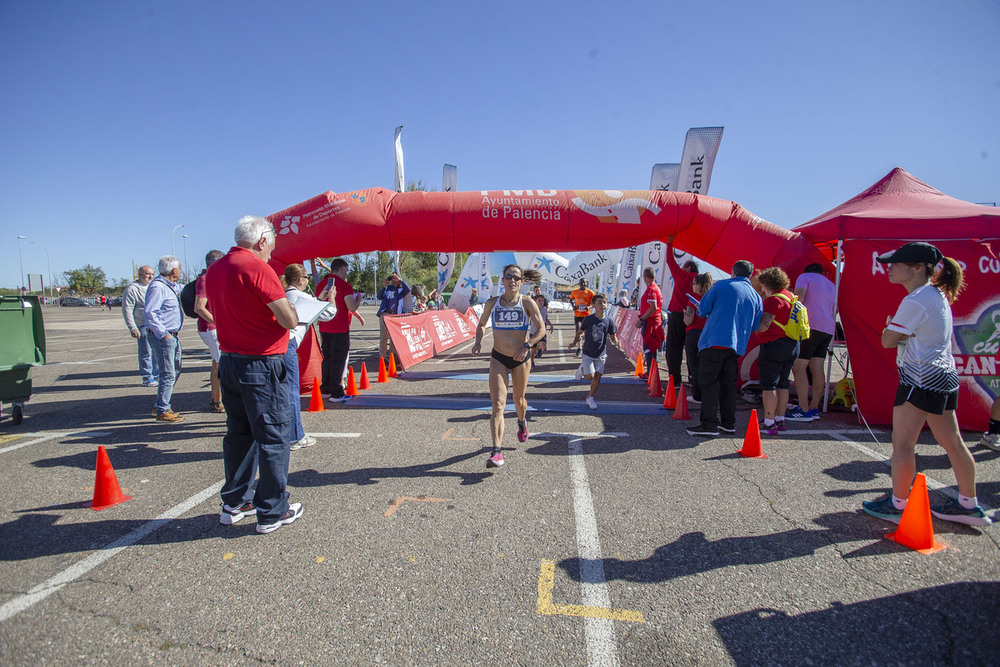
(253,317)
(336,333)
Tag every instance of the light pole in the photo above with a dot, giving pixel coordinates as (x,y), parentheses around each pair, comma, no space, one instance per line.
(48,263)
(172,239)
(19,239)
(185,237)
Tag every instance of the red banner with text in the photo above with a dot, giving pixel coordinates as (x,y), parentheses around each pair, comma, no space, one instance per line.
(419,337)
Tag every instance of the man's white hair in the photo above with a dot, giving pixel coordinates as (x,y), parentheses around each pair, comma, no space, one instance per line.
(167,264)
(249,230)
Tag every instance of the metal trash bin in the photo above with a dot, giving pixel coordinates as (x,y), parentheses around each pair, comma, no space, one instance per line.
(22,345)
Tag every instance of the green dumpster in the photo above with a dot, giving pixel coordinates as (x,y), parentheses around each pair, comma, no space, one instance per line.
(22,345)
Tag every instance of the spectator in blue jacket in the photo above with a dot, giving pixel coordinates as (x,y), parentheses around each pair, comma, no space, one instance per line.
(733,308)
(391,302)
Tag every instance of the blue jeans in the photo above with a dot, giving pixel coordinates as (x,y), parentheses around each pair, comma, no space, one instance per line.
(149,364)
(168,353)
(294,401)
(258,430)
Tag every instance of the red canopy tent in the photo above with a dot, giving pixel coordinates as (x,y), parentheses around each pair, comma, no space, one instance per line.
(897,209)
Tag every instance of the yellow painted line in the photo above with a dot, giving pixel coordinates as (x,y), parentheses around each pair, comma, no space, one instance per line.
(395,504)
(8,438)
(546,582)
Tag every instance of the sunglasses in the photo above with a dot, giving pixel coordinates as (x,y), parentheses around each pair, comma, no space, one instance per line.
(507,276)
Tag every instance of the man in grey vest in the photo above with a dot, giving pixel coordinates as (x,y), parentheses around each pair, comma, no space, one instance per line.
(133,301)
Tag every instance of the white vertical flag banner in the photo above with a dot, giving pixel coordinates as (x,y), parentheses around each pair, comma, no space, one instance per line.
(701,145)
(446,265)
(449,179)
(653,257)
(485,282)
(446,260)
(626,281)
(395,261)
(400,180)
(665,176)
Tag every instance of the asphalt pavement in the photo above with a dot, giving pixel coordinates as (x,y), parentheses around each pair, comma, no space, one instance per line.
(609,537)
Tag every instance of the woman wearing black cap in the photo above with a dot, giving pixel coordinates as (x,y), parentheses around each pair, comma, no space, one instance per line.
(921,332)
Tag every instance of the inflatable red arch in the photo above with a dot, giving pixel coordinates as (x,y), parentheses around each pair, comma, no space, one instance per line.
(718,231)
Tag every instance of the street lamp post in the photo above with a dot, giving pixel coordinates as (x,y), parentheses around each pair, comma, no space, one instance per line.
(19,239)
(48,263)
(185,237)
(172,239)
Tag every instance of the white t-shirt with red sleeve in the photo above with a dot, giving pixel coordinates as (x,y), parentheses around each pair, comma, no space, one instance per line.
(924,359)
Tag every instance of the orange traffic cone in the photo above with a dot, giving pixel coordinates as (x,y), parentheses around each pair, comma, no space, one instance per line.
(670,398)
(382,375)
(316,400)
(655,389)
(682,404)
(915,529)
(392,366)
(352,387)
(106,489)
(639,366)
(364,378)
(752,448)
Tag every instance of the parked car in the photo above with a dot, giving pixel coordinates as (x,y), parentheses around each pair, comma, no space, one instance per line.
(73,301)
(115,301)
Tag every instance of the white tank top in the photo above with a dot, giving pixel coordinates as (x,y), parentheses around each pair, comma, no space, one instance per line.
(510,318)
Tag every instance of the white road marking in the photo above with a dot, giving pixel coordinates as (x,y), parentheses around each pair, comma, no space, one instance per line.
(77,570)
(52,436)
(944,489)
(602,647)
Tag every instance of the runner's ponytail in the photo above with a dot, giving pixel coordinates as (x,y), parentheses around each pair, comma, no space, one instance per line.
(947,276)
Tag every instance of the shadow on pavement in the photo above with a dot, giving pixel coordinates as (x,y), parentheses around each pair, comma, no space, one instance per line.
(941,625)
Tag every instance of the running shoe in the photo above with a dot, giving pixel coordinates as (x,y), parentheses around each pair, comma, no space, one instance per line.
(293,513)
(701,429)
(814,414)
(579,374)
(990,441)
(727,429)
(522,430)
(796,414)
(952,510)
(591,403)
(882,508)
(495,460)
(230,515)
(339,399)
(307,441)
(780,425)
(692,400)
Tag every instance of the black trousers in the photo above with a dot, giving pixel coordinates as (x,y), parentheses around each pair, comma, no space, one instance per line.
(675,344)
(691,339)
(335,348)
(717,375)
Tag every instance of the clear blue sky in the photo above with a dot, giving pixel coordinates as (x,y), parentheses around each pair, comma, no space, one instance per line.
(122,119)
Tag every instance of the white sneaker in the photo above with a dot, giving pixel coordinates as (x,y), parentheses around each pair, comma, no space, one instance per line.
(579,373)
(990,441)
(591,403)
(307,441)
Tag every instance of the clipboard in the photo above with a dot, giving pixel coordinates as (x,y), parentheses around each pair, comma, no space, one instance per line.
(309,310)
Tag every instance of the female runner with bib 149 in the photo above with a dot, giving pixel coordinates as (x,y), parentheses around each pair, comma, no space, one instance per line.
(511,313)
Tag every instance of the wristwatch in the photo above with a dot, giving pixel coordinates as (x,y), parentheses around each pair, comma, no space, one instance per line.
(527,345)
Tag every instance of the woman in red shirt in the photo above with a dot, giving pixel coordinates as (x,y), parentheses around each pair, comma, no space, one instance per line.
(777,351)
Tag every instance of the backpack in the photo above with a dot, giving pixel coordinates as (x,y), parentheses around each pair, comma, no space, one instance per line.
(798,319)
(187,299)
